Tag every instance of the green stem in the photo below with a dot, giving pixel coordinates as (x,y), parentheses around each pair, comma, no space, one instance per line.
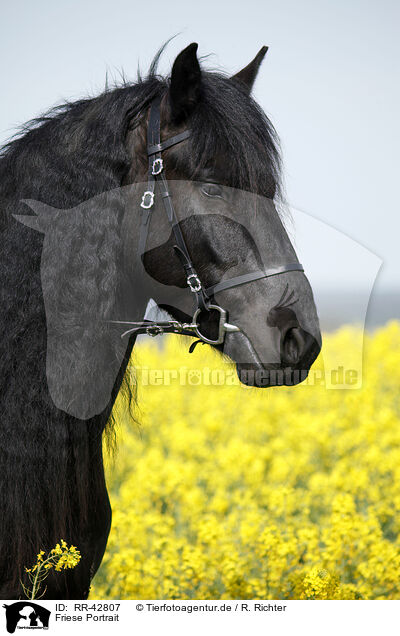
(35,582)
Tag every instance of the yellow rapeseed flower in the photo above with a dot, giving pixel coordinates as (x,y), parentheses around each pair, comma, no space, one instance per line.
(61,557)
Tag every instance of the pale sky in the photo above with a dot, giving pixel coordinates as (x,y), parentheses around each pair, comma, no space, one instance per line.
(329,83)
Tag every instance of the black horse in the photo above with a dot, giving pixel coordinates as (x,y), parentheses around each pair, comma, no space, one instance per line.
(52,483)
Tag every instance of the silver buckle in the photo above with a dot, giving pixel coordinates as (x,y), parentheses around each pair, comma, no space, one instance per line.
(178,326)
(150,202)
(154,331)
(157,166)
(194,286)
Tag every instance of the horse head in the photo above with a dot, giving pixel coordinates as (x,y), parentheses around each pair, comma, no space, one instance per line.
(217,154)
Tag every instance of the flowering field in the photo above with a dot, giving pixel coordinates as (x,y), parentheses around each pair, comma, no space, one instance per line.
(226,492)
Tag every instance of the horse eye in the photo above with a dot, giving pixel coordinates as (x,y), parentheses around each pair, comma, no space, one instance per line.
(212,190)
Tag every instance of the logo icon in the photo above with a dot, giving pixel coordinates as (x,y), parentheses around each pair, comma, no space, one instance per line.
(26,615)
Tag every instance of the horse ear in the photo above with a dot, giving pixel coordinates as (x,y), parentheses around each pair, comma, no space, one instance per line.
(185,86)
(248,74)
(45,214)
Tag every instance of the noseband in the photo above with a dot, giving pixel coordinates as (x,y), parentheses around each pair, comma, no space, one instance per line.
(156,176)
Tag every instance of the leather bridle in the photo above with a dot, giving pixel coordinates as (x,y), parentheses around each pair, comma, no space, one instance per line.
(156,177)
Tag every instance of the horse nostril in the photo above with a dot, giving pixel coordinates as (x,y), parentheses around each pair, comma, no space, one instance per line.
(292,346)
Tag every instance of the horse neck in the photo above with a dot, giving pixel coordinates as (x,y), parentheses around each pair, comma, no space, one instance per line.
(52,478)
